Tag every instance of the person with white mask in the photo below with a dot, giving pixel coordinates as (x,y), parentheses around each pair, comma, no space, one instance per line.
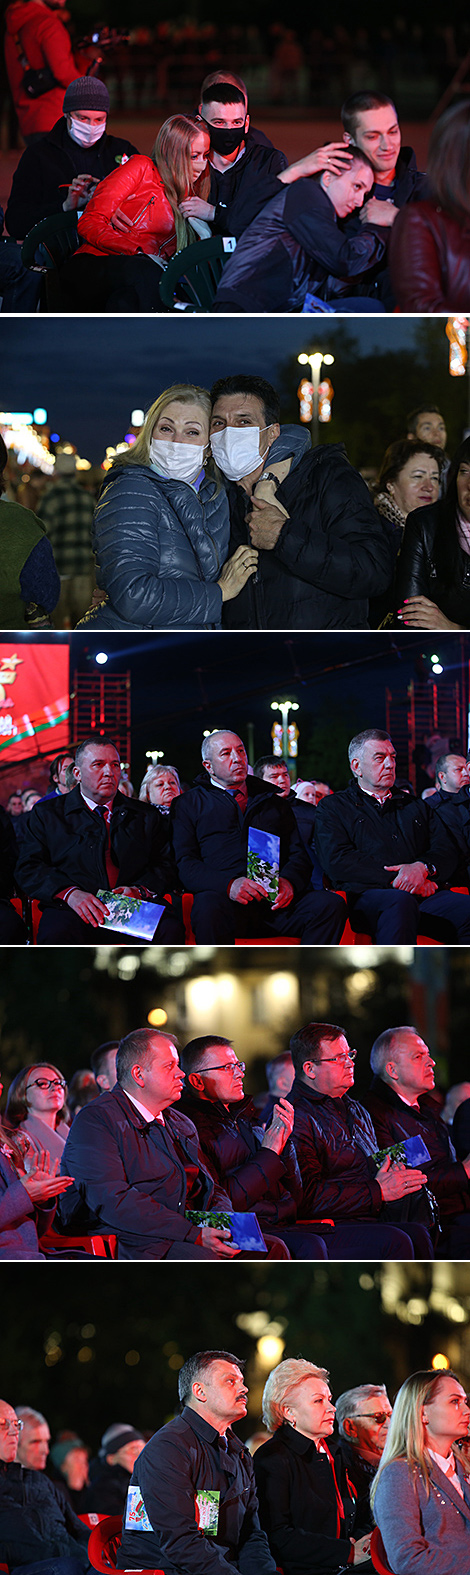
(322,548)
(161,526)
(60,170)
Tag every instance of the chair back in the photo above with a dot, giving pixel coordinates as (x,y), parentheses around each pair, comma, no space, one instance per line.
(378,1554)
(104,1545)
(51,241)
(195,273)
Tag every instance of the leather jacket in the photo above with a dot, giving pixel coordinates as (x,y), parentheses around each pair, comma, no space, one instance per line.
(138,189)
(429,258)
(416,568)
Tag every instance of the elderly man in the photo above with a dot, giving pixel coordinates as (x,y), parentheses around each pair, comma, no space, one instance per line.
(323,551)
(362,1418)
(211,824)
(259,1169)
(192,1505)
(335,1144)
(34,1441)
(401,1106)
(389,852)
(93,839)
(36,1526)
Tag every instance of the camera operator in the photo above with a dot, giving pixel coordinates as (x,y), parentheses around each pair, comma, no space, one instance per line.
(61,170)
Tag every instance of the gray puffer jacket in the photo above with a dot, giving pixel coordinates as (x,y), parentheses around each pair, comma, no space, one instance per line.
(159,546)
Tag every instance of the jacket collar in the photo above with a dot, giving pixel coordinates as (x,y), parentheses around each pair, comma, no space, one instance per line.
(75,801)
(308,1091)
(209,1435)
(440,1481)
(427,1105)
(398,796)
(256,787)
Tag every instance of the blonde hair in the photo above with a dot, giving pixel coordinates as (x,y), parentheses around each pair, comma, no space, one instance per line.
(282,1382)
(150,774)
(171,153)
(184,394)
(406,1435)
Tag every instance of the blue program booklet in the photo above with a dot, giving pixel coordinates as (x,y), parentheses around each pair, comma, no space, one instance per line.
(132,915)
(412,1151)
(246,1233)
(263,860)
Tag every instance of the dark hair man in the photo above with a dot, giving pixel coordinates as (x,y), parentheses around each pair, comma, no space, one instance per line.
(37,1527)
(275,770)
(169,1485)
(272,768)
(58,770)
(388,851)
(103,1064)
(210,827)
(135,1160)
(401,1105)
(335,1143)
(259,1171)
(93,839)
(295,246)
(427,423)
(362,1418)
(60,170)
(370,121)
(279,1078)
(324,551)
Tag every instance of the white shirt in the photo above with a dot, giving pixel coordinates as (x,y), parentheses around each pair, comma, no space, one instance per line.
(445,1462)
(148,1115)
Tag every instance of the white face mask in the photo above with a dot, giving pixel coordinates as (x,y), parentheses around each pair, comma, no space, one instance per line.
(80,131)
(236,451)
(177,461)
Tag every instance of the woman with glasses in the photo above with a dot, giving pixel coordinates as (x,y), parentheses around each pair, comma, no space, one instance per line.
(36,1111)
(420,1495)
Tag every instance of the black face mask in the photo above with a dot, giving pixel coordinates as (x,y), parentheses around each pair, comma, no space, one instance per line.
(223,140)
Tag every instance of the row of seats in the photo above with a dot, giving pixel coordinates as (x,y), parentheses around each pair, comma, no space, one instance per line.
(195,271)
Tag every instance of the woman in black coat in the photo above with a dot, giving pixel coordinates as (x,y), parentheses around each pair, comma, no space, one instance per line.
(306,1501)
(433,573)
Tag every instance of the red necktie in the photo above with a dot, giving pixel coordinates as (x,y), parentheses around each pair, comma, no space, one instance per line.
(241,796)
(112,869)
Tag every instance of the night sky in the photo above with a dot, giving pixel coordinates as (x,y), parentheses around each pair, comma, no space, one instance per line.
(90,372)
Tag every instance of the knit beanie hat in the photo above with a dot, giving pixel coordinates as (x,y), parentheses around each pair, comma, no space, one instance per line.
(86,93)
(116,1438)
(60,1451)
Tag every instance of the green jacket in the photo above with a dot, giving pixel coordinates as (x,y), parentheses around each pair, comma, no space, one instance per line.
(20,530)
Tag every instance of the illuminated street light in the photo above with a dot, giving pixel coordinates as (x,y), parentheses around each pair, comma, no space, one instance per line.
(315,361)
(289,744)
(154,755)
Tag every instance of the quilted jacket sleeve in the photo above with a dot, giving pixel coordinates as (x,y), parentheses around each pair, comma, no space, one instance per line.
(127,547)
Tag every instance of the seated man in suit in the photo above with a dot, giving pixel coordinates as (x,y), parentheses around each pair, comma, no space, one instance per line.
(93,839)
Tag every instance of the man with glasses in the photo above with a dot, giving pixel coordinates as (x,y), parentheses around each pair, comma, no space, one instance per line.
(362,1418)
(335,1144)
(401,1104)
(258,1169)
(39,1532)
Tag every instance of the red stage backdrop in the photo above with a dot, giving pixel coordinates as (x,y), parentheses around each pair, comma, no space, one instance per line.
(34,700)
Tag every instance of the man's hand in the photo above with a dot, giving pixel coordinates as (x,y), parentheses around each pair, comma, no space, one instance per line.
(413,877)
(280,1127)
(244,890)
(88,907)
(216,1238)
(396,1180)
(420,613)
(79,192)
(127,891)
(265,524)
(195,207)
(285,894)
(121,222)
(376,212)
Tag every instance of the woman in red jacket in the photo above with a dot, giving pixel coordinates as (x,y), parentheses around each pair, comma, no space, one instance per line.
(133,224)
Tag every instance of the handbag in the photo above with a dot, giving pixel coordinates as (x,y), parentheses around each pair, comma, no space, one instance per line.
(35,81)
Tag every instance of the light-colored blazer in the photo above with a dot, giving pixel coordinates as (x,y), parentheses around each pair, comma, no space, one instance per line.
(423,1536)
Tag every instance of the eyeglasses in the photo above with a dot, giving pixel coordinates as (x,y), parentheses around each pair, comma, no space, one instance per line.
(44,1083)
(372,1416)
(12,1427)
(230,1066)
(339,1059)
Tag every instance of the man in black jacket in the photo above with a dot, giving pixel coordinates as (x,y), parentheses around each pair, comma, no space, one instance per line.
(401,1105)
(322,547)
(93,839)
(210,826)
(388,852)
(192,1507)
(451,808)
(59,172)
(37,1526)
(335,1145)
(258,1169)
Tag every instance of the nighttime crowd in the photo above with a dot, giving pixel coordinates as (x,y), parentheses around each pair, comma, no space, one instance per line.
(353,226)
(318,1486)
(216,515)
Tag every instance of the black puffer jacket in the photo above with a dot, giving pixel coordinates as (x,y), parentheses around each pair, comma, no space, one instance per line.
(332,554)
(210,835)
(356,837)
(452,811)
(35,1521)
(394,1121)
(334,1141)
(48,166)
(417,573)
(159,546)
(254,1177)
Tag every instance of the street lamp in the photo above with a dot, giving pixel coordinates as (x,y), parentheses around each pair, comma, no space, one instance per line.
(154,755)
(284,706)
(315,361)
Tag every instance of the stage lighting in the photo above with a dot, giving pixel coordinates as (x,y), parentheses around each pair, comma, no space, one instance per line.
(40,416)
(436,665)
(101,658)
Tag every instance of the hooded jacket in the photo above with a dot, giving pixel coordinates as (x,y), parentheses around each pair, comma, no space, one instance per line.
(45,41)
(138,189)
(254,1177)
(295,245)
(47,167)
(394,1121)
(332,554)
(210,835)
(416,567)
(356,837)
(160,547)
